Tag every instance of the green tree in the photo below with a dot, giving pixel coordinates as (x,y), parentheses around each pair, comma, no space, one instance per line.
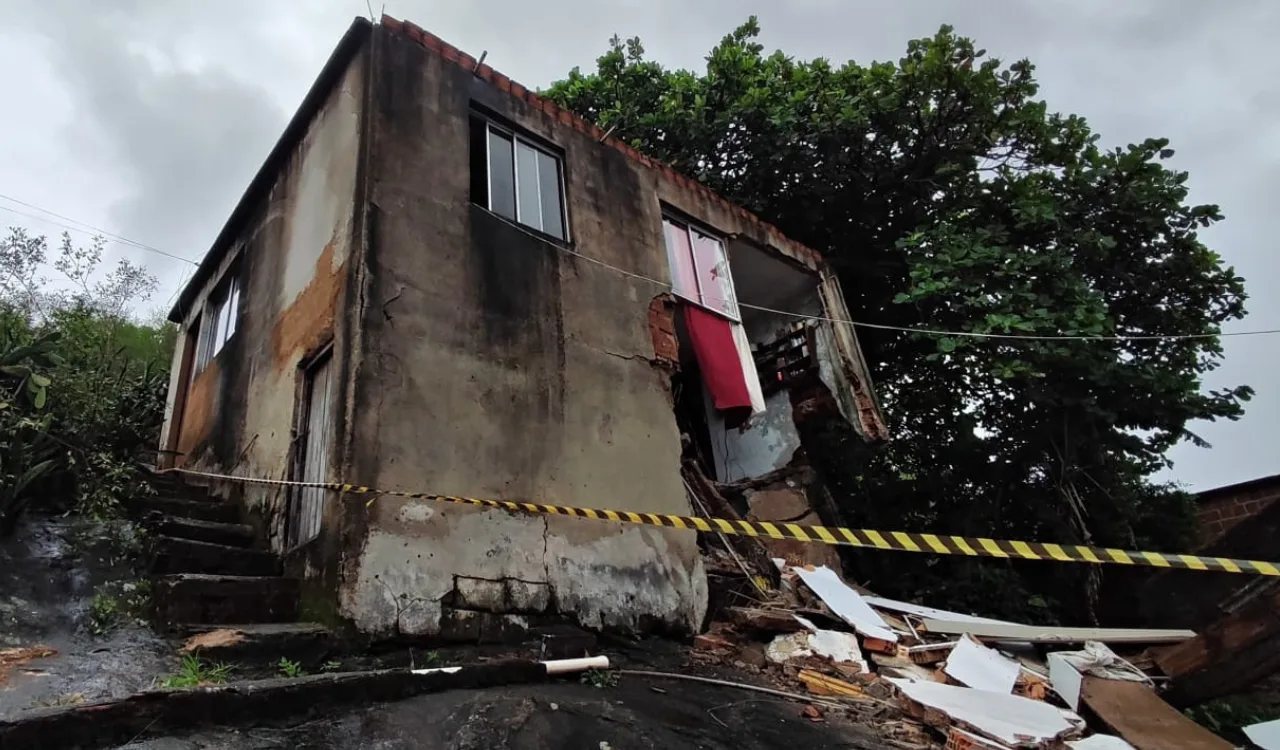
(82,382)
(947,196)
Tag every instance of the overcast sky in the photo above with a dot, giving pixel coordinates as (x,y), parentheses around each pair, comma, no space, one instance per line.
(147,118)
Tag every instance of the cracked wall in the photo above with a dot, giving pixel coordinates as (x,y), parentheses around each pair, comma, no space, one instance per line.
(497,365)
(292,258)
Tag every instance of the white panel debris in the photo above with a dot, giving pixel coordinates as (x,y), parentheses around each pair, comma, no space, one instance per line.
(981,668)
(1012,719)
(1265,735)
(846,603)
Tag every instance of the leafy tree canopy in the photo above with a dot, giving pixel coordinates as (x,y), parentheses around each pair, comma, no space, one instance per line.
(947,196)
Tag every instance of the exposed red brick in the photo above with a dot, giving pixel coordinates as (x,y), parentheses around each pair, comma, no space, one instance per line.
(565,117)
(393,25)
(662,328)
(550,108)
(465,60)
(450,53)
(502,82)
(485,72)
(518,90)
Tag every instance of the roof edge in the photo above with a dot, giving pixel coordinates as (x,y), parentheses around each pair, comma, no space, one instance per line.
(1230,489)
(357,34)
(516,90)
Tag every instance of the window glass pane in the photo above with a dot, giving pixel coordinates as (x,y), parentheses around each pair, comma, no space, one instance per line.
(680,257)
(502,181)
(527,187)
(549,190)
(233,306)
(202,340)
(479,162)
(219,328)
(714,279)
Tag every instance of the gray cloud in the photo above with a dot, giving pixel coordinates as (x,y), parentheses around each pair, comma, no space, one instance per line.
(150,117)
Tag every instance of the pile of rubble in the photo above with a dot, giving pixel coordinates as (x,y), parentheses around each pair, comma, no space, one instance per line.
(927,677)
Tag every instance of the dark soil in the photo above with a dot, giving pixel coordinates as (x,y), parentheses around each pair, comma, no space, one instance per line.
(559,716)
(49,570)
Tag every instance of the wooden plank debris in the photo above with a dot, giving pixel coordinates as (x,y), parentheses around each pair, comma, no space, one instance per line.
(1134,711)
(1231,654)
(1054,634)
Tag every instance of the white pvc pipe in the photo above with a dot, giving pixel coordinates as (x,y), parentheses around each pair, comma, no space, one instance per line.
(569,666)
(558,666)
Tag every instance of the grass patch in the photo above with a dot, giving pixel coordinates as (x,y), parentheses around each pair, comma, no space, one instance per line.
(194,672)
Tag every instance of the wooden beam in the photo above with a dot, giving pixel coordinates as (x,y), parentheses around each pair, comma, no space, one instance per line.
(1002,631)
(751,549)
(1231,654)
(1134,711)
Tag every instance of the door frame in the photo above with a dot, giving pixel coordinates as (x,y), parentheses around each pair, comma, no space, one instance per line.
(299,433)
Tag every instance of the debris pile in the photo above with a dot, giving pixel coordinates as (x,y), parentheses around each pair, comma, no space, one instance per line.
(931,678)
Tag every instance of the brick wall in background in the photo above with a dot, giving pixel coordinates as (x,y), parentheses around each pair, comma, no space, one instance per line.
(1222,508)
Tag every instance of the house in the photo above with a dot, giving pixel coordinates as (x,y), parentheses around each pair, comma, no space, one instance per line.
(1220,509)
(440,282)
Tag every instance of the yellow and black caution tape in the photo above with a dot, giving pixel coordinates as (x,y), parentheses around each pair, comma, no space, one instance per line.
(903,541)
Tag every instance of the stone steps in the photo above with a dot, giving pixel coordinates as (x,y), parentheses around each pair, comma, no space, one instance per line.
(170,555)
(230,534)
(305,642)
(221,599)
(215,511)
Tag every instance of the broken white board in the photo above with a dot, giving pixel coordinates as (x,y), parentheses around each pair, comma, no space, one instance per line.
(1265,735)
(846,603)
(841,648)
(1067,669)
(919,610)
(1011,719)
(1065,679)
(981,668)
(1100,742)
(1053,633)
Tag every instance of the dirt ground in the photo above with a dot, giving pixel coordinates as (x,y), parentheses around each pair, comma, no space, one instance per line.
(49,571)
(568,715)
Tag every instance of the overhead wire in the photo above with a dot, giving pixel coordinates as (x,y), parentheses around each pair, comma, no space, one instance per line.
(85,228)
(89,228)
(936,331)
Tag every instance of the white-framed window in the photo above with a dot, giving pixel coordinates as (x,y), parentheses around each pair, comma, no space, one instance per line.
(699,267)
(516,178)
(218,322)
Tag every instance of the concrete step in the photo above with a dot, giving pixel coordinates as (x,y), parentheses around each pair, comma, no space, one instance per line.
(306,642)
(200,510)
(231,534)
(172,485)
(173,555)
(219,599)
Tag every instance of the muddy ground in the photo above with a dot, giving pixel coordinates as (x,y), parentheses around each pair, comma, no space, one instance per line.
(561,716)
(49,571)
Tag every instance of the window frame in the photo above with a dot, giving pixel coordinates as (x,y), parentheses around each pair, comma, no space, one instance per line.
(219,320)
(517,138)
(690,227)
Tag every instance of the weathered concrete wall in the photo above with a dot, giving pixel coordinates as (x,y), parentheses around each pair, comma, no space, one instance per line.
(292,258)
(498,365)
